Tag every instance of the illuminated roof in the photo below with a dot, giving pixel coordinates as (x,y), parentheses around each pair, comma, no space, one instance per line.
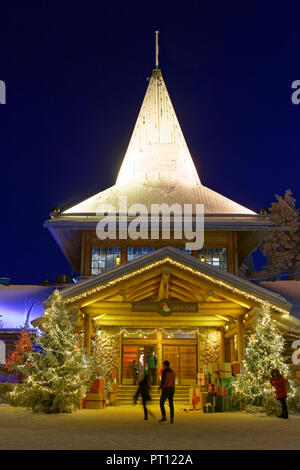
(157,167)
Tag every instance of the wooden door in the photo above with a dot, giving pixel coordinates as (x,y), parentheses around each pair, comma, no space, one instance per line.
(188,363)
(129,354)
(171,354)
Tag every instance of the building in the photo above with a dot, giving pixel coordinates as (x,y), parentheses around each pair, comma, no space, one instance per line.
(189,306)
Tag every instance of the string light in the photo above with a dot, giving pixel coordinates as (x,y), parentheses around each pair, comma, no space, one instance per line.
(183,267)
(144,333)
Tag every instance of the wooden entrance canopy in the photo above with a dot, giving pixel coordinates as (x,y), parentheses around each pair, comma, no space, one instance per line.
(194,293)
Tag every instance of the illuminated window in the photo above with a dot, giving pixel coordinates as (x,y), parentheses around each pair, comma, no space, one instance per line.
(136,252)
(179,334)
(216,257)
(104,258)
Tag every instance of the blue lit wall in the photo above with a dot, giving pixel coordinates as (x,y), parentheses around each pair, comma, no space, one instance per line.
(21,304)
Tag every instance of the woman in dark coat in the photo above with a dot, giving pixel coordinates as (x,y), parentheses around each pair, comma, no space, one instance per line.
(278,381)
(144,391)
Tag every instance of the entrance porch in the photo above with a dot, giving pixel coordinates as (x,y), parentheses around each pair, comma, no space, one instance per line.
(173,304)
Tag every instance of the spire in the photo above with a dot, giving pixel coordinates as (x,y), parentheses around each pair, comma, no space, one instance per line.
(156,49)
(157,151)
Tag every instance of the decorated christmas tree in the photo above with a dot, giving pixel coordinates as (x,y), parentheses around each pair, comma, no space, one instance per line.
(22,347)
(264,353)
(60,373)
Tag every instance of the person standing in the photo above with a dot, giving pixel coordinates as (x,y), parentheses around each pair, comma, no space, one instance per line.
(279,382)
(144,391)
(151,362)
(167,388)
(135,371)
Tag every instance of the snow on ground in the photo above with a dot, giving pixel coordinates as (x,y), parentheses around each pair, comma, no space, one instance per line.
(121,428)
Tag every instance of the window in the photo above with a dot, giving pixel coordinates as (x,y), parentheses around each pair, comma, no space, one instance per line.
(136,252)
(104,258)
(189,252)
(179,334)
(216,257)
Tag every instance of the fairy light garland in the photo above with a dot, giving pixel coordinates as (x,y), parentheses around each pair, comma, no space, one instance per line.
(141,332)
(181,266)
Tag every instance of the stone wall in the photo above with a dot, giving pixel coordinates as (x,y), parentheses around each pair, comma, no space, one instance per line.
(109,342)
(209,349)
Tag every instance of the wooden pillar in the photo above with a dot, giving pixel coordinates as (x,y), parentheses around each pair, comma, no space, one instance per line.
(232,349)
(222,345)
(240,339)
(123,254)
(159,351)
(87,333)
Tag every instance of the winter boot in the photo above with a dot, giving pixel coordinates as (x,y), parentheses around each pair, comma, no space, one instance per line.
(162,419)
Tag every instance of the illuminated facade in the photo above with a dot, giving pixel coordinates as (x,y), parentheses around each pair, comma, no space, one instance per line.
(153,295)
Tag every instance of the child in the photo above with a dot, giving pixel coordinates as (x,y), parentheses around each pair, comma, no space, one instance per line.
(144,391)
(279,383)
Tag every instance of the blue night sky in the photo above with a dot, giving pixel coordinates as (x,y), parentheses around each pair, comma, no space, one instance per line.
(76,74)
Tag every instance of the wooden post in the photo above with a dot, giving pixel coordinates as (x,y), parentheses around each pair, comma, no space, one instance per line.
(87,332)
(222,345)
(240,339)
(232,349)
(159,352)
(123,254)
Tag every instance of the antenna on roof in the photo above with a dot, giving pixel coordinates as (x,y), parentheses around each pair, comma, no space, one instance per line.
(156,49)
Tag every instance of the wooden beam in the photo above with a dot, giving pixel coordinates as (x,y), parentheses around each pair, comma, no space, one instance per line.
(238,299)
(142,293)
(222,345)
(163,291)
(121,312)
(109,290)
(184,292)
(140,285)
(232,350)
(240,340)
(159,322)
(147,293)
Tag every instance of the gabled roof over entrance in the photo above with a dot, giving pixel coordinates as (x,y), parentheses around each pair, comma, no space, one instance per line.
(188,279)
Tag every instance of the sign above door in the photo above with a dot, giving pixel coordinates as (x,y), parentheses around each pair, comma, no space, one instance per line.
(164,307)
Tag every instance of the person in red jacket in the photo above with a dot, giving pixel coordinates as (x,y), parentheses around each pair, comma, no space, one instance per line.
(278,381)
(167,388)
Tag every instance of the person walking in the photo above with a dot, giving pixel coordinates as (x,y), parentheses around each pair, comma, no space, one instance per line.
(144,391)
(135,371)
(151,362)
(279,382)
(167,388)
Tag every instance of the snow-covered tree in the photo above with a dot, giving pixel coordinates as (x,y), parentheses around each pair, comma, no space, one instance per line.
(58,375)
(248,270)
(282,248)
(264,352)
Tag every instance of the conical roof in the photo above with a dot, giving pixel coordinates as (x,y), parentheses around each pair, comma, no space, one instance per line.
(157,167)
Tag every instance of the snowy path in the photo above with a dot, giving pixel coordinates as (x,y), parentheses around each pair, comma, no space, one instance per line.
(124,428)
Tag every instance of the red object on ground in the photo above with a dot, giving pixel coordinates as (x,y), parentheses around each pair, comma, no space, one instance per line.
(82,403)
(280,387)
(236,368)
(98,386)
(114,373)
